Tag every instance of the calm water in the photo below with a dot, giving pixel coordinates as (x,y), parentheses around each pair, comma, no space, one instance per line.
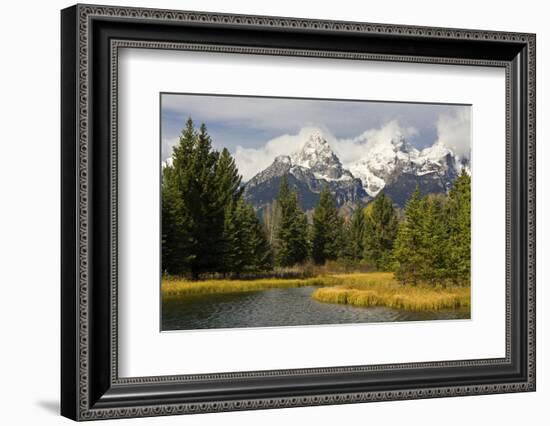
(280,307)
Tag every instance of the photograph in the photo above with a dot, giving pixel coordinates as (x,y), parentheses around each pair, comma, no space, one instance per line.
(261,209)
(293,211)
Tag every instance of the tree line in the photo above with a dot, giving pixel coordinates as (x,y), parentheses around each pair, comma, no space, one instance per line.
(207,226)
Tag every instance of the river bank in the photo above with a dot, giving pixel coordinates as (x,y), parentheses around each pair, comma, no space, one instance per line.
(381,289)
(357,289)
(281,307)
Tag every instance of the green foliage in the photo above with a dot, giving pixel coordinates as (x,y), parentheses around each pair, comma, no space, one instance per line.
(201,192)
(433,242)
(291,239)
(458,213)
(353,246)
(177,239)
(207,227)
(326,231)
(408,244)
(380,232)
(245,244)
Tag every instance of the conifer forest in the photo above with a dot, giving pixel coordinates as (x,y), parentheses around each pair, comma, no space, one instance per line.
(410,261)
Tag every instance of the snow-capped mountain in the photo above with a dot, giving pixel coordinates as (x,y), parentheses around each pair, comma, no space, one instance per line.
(317,156)
(397,167)
(392,165)
(308,171)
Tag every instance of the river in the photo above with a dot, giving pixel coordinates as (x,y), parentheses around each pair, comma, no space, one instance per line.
(280,307)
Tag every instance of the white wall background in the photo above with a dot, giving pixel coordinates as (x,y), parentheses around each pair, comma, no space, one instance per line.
(29,211)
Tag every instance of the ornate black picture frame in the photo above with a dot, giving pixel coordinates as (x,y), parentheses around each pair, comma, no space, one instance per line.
(91,387)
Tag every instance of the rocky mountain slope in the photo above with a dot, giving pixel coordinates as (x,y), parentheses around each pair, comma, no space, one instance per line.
(391,165)
(308,171)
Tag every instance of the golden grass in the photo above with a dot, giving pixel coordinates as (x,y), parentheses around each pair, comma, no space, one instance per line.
(357,289)
(381,289)
(180,287)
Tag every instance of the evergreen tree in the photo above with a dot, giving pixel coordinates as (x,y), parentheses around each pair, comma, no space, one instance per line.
(228,179)
(355,235)
(381,226)
(178,236)
(459,225)
(260,254)
(245,244)
(209,208)
(233,246)
(292,246)
(326,231)
(176,228)
(200,184)
(408,245)
(435,243)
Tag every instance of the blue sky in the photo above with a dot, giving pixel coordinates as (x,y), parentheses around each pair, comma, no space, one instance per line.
(248,125)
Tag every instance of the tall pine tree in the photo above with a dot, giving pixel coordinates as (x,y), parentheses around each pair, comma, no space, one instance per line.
(177,237)
(380,232)
(435,240)
(210,205)
(291,241)
(198,187)
(178,233)
(246,248)
(408,245)
(326,231)
(354,236)
(459,224)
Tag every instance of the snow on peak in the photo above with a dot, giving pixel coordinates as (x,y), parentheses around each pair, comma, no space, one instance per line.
(317,156)
(435,152)
(285,159)
(315,151)
(385,159)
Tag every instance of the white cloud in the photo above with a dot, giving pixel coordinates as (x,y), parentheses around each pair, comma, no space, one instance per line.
(351,150)
(283,115)
(454,131)
(253,160)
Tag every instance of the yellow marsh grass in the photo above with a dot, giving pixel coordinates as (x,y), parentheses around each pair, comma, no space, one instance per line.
(381,289)
(358,289)
(177,288)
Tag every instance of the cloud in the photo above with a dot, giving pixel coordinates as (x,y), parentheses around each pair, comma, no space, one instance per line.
(256,130)
(278,114)
(351,150)
(247,117)
(251,161)
(454,131)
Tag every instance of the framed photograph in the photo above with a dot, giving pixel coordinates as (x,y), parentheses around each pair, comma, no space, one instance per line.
(263,212)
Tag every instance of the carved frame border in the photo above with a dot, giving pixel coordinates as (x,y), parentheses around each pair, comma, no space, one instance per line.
(85,13)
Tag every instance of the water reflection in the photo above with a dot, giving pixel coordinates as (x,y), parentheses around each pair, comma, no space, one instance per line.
(280,307)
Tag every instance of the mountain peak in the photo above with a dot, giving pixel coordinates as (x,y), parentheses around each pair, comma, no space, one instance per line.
(390,163)
(316,151)
(399,143)
(316,140)
(285,159)
(316,155)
